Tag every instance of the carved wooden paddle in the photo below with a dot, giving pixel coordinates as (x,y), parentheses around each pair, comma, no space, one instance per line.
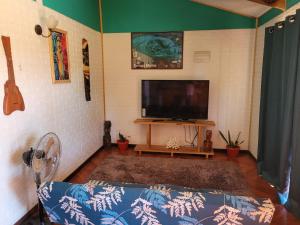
(13,99)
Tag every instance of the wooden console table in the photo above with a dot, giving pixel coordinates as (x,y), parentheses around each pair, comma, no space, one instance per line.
(200,124)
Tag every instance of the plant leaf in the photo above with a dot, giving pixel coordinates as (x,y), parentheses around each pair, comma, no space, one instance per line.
(223,137)
(237,139)
(229,139)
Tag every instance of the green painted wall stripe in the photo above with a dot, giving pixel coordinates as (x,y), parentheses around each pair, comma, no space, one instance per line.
(290,3)
(167,15)
(156,15)
(83,11)
(269,15)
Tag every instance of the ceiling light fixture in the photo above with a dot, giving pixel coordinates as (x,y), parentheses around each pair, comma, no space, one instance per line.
(51,24)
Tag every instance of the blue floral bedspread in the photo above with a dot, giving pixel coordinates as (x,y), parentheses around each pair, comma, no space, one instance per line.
(130,204)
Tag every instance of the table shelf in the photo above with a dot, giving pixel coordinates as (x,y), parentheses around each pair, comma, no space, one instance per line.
(198,150)
(182,150)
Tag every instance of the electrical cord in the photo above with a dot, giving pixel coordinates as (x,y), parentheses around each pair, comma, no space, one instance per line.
(192,143)
(197,133)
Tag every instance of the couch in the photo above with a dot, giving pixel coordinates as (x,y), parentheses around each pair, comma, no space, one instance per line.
(129,204)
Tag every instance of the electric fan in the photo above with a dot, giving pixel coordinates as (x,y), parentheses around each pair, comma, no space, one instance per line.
(43,160)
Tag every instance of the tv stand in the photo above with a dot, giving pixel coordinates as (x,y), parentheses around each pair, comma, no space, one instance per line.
(158,120)
(148,147)
(183,120)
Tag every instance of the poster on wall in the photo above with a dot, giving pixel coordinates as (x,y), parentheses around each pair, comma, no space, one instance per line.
(157,50)
(59,58)
(86,69)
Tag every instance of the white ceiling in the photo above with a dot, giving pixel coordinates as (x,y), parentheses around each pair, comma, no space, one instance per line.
(243,7)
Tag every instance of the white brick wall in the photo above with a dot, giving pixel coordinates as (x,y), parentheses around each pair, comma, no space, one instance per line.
(230,73)
(253,145)
(60,108)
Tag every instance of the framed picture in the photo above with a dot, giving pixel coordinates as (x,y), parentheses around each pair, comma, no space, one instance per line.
(59,56)
(157,50)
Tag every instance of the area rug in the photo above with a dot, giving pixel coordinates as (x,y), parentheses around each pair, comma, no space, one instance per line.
(193,173)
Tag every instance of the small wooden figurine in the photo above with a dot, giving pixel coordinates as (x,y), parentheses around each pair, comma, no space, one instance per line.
(208,145)
(106,136)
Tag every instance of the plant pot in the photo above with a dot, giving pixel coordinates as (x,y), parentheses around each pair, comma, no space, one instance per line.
(232,152)
(122,145)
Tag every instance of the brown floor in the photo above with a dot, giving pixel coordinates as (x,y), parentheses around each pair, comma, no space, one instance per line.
(258,186)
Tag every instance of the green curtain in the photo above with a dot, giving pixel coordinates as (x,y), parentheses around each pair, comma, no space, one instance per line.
(293,91)
(279,129)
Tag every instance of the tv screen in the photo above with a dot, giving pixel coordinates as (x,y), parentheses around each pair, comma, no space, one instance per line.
(176,99)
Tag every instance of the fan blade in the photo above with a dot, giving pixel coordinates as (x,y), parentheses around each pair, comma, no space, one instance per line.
(37,164)
(49,144)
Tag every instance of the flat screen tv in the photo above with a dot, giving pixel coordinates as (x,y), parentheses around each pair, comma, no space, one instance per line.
(175,99)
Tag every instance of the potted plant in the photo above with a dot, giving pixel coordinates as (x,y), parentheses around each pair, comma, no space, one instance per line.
(122,143)
(233,146)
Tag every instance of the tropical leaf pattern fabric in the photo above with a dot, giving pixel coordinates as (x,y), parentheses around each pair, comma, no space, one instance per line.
(105,203)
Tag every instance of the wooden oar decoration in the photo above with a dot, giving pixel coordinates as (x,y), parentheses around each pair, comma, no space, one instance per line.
(13,99)
(86,69)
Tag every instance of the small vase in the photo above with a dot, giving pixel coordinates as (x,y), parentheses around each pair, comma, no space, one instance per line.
(232,152)
(123,146)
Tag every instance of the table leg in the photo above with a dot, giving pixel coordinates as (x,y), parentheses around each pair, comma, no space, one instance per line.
(149,135)
(199,140)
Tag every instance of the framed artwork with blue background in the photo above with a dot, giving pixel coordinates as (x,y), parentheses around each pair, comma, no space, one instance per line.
(157,50)
(59,56)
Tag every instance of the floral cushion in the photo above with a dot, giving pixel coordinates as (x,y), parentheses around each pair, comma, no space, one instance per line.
(127,204)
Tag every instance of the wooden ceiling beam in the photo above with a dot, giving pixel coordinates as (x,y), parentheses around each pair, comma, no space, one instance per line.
(224,9)
(279,4)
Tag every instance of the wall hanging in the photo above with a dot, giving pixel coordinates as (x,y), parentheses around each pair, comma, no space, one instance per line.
(13,99)
(86,69)
(159,50)
(59,58)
